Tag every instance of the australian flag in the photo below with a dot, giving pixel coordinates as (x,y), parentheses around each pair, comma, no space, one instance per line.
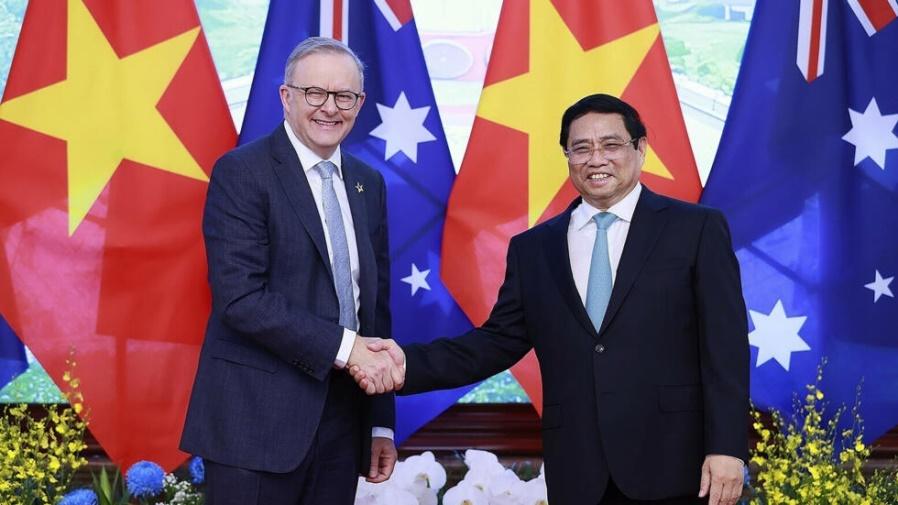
(807,173)
(397,132)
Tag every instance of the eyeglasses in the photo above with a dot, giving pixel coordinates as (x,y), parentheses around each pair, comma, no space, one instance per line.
(316,97)
(610,149)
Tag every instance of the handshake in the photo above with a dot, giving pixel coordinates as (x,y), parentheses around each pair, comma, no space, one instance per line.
(377,365)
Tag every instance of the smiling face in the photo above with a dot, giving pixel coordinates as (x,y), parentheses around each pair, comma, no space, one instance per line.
(322,128)
(604,179)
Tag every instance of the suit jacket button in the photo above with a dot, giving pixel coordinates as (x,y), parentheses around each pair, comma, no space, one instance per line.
(600,348)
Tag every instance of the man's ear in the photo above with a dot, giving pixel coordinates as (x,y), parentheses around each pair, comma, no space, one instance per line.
(284,93)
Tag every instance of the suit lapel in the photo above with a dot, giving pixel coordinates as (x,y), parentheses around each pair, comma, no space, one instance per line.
(296,185)
(648,222)
(559,260)
(367,262)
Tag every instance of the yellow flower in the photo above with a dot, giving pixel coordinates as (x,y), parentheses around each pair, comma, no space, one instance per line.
(39,455)
(812,448)
(799,461)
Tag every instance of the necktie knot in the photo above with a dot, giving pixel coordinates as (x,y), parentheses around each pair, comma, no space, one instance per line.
(604,220)
(326,169)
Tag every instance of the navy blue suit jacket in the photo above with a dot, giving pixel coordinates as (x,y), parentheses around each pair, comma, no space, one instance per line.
(273,332)
(661,384)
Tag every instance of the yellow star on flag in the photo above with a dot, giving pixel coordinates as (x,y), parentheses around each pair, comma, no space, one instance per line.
(105,110)
(560,73)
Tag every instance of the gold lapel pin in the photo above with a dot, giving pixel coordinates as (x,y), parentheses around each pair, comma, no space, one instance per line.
(359,187)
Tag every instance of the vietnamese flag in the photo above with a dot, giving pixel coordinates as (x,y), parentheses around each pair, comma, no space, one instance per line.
(546,56)
(111,120)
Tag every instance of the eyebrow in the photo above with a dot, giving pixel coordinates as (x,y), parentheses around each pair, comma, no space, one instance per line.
(589,141)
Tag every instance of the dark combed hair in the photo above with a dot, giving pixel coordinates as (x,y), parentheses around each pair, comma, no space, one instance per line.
(604,104)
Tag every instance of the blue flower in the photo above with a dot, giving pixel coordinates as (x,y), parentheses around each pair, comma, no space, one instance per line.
(144,479)
(79,497)
(197,470)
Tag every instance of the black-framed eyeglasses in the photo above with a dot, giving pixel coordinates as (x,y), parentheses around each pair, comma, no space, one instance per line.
(609,149)
(316,97)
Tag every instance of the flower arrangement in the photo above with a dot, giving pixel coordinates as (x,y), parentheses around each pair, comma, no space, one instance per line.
(146,482)
(39,456)
(805,460)
(419,479)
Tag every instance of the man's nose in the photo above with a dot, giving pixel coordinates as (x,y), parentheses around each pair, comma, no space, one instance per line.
(330,104)
(597,157)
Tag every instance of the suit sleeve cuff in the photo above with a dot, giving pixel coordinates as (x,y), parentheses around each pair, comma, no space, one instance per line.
(345,348)
(380,431)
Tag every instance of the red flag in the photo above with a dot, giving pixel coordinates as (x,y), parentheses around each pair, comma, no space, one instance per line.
(547,55)
(111,120)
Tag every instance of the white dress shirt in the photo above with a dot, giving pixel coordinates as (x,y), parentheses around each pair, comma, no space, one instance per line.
(581,236)
(308,160)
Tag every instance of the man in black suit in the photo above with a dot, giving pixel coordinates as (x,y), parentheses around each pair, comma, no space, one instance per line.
(634,306)
(296,238)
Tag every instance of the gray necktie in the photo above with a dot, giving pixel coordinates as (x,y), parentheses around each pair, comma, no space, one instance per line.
(598,291)
(339,247)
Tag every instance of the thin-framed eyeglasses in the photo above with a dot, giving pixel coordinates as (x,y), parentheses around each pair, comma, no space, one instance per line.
(609,149)
(316,97)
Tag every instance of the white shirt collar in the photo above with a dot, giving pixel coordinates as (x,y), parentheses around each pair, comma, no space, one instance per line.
(309,159)
(623,209)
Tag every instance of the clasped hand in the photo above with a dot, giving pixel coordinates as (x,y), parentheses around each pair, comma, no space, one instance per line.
(377,365)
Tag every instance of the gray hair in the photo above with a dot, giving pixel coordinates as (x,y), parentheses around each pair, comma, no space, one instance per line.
(313,45)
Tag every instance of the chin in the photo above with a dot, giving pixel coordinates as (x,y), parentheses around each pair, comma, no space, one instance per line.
(328,143)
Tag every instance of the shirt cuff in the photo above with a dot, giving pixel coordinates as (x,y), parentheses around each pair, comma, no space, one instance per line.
(345,348)
(380,431)
(734,457)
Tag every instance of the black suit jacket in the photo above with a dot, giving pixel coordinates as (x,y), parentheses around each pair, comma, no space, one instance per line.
(273,332)
(663,383)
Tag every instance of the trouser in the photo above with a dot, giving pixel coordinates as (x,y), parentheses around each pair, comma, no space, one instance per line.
(614,496)
(328,474)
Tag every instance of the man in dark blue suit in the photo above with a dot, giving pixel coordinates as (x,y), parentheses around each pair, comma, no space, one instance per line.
(296,239)
(633,304)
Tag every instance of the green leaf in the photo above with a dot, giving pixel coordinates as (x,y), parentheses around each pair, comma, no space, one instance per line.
(101,499)
(103,488)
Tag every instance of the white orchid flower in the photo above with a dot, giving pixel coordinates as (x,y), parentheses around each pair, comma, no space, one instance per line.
(483,466)
(474,457)
(366,493)
(479,477)
(465,494)
(420,473)
(383,493)
(394,495)
(427,497)
(534,492)
(505,488)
